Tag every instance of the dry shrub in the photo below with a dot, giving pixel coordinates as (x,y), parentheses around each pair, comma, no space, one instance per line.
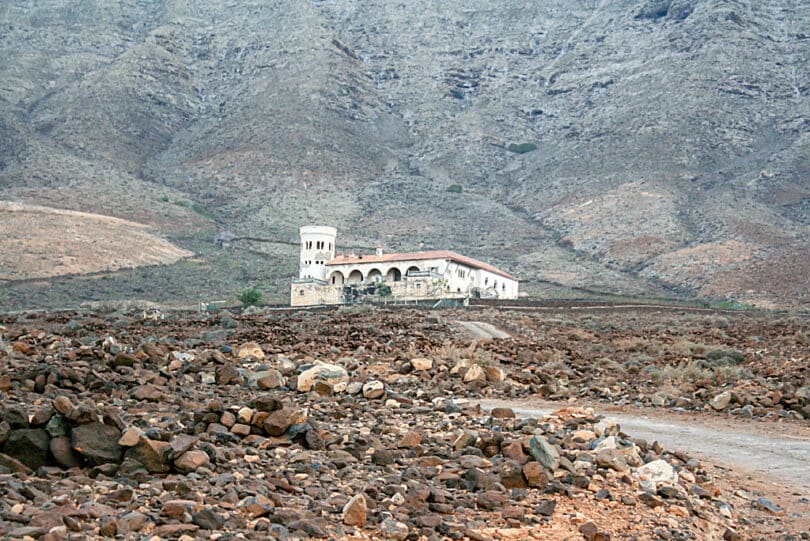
(695,372)
(580,334)
(449,352)
(685,348)
(631,343)
(607,363)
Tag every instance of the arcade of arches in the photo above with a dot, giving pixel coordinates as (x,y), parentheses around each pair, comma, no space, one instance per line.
(338,278)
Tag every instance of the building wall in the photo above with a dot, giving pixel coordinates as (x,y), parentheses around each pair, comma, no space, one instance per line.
(317,249)
(460,279)
(365,269)
(313,294)
(322,283)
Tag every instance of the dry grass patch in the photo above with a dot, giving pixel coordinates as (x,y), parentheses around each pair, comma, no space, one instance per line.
(42,242)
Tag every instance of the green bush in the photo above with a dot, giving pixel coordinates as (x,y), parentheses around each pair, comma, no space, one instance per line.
(455,188)
(250,297)
(384,290)
(522,148)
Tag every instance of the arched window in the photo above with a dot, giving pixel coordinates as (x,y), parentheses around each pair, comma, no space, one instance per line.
(411,270)
(374,275)
(355,277)
(337,278)
(394,275)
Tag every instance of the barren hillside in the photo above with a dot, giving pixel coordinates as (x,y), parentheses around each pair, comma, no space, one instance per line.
(41,242)
(656,147)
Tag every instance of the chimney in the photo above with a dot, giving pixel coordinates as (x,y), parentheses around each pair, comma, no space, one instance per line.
(379,250)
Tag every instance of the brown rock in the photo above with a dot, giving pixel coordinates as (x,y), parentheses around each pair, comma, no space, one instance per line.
(177,530)
(512,475)
(130,437)
(124,359)
(63,452)
(271,380)
(250,349)
(148,393)
(21,346)
(611,458)
(591,532)
(268,403)
(191,461)
(154,455)
(514,512)
(13,464)
(240,430)
(42,416)
(255,506)
(494,374)
(515,452)
(503,413)
(227,375)
(355,511)
(279,421)
(62,404)
(491,500)
(227,419)
(28,445)
(421,364)
(97,443)
(176,508)
(108,526)
(410,440)
(182,443)
(535,475)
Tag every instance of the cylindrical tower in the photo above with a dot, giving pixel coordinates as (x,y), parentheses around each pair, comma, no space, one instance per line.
(317,249)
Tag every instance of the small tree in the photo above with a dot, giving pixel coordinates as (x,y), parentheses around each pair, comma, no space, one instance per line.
(250,297)
(522,148)
(384,290)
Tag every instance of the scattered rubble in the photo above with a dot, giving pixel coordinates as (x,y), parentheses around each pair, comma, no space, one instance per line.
(111,425)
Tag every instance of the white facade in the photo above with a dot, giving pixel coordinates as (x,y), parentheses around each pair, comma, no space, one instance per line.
(317,249)
(327,278)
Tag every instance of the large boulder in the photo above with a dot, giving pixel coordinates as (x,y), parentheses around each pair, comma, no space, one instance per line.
(28,445)
(544,452)
(355,511)
(721,401)
(333,375)
(154,455)
(97,443)
(250,349)
(655,472)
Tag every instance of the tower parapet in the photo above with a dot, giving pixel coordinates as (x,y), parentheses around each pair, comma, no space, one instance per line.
(317,249)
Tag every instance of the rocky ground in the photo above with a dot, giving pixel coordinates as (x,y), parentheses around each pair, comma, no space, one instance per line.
(343,424)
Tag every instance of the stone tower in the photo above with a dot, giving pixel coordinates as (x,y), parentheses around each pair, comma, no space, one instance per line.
(317,249)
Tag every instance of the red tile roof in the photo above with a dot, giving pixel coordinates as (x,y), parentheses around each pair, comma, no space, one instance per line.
(417,256)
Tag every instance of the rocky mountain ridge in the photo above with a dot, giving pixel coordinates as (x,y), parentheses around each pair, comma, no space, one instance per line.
(657,146)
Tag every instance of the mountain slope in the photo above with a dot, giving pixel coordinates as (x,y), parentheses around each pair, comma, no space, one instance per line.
(672,143)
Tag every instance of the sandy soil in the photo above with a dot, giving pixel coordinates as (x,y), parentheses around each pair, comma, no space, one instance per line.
(42,242)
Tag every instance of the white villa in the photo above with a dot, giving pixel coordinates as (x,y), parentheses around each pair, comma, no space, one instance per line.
(329,278)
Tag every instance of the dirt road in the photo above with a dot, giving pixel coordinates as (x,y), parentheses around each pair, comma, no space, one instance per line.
(779,454)
(479,329)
